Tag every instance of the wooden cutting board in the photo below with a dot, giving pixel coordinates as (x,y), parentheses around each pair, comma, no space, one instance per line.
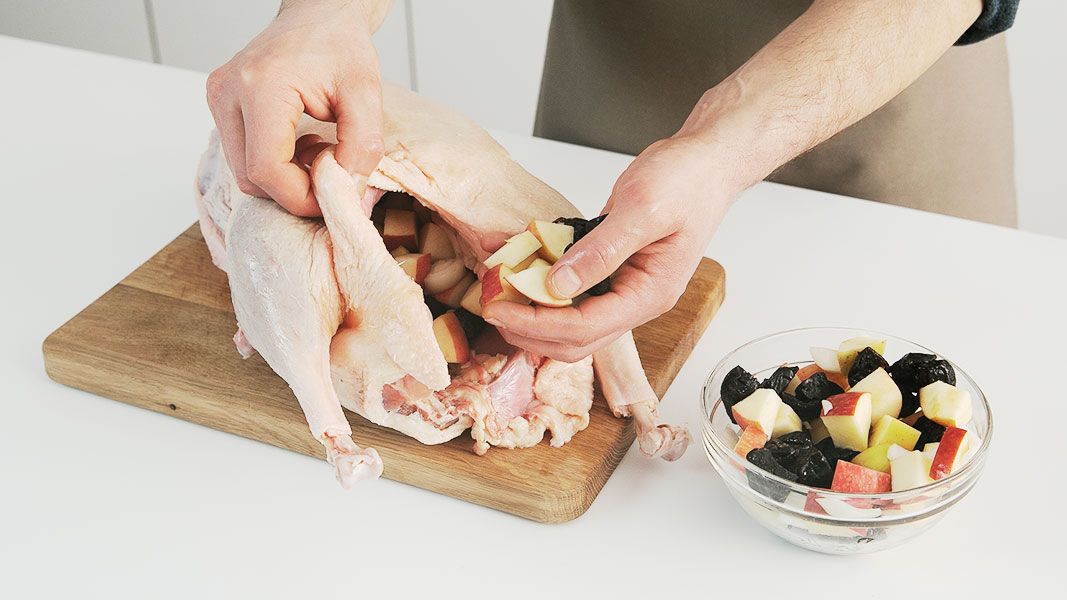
(161,340)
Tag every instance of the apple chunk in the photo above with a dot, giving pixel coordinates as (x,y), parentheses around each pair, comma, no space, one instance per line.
(847,351)
(517,249)
(450,338)
(495,286)
(856,479)
(848,419)
(886,398)
(554,238)
(417,266)
(751,438)
(435,242)
(888,430)
(399,230)
(532,284)
(945,404)
(909,469)
(443,275)
(949,454)
(453,296)
(817,430)
(875,457)
(786,421)
(759,409)
(472,299)
(808,371)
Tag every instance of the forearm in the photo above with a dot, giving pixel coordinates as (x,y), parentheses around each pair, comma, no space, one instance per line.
(837,63)
(375,11)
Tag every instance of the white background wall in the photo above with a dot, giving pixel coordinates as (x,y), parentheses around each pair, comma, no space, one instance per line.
(484,58)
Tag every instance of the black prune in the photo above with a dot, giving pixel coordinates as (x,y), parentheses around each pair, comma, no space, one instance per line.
(814,469)
(736,386)
(867,362)
(935,370)
(817,388)
(805,409)
(779,379)
(437,308)
(788,450)
(905,370)
(929,431)
(909,404)
(833,453)
(776,490)
(600,289)
(471,323)
(581,228)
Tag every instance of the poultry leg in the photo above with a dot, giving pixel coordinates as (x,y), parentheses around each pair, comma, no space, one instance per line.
(625,387)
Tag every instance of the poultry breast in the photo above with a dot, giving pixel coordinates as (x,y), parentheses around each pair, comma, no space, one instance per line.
(330,309)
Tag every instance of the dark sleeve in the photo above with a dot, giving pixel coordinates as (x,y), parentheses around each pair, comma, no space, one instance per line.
(997,16)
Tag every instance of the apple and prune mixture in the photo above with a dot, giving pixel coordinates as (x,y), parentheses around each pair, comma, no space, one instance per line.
(849,421)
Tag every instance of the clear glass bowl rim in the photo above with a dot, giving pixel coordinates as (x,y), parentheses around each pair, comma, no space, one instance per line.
(973,464)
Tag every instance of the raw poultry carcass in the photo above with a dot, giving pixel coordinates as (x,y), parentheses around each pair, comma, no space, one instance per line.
(332,311)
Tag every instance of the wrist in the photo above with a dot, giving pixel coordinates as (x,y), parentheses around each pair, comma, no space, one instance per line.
(736,134)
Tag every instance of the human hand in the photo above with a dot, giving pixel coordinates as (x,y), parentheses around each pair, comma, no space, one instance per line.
(317,58)
(662,213)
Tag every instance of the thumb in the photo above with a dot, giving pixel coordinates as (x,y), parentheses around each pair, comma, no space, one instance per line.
(359,128)
(595,257)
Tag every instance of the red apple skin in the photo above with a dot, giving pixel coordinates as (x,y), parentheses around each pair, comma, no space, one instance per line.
(454,294)
(948,451)
(399,230)
(751,438)
(838,378)
(843,404)
(455,346)
(855,479)
(495,287)
(421,268)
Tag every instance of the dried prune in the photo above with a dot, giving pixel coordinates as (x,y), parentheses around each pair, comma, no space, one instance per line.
(814,469)
(817,388)
(805,409)
(905,370)
(736,386)
(833,453)
(600,289)
(471,323)
(866,362)
(909,403)
(776,490)
(437,308)
(788,450)
(929,431)
(779,379)
(934,370)
(581,228)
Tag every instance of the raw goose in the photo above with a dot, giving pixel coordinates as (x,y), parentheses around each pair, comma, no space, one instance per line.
(332,312)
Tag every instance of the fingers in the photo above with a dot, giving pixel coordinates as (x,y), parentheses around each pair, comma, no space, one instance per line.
(226,111)
(270,143)
(635,298)
(596,256)
(358,109)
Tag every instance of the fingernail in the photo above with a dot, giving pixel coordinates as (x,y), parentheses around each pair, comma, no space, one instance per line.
(494,322)
(566,281)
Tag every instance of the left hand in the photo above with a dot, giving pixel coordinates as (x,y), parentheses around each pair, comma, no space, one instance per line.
(662,213)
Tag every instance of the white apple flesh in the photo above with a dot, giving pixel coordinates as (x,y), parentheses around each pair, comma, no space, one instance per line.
(759,409)
(848,419)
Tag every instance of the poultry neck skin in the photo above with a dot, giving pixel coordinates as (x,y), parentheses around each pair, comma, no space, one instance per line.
(329,309)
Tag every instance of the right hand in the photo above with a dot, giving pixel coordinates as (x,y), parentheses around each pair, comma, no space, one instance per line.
(315,58)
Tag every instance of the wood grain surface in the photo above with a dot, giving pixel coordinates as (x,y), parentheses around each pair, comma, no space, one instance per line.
(161,340)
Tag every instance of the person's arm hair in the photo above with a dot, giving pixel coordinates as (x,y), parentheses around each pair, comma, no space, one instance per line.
(838,62)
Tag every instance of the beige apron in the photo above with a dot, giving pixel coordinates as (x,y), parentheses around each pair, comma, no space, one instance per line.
(621,74)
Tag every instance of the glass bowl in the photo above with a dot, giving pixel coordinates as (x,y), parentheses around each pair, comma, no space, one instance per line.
(815,518)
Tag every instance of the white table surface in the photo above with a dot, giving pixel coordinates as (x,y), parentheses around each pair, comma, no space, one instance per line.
(98,497)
